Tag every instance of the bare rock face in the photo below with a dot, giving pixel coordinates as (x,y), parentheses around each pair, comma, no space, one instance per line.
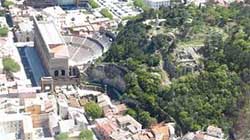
(108,74)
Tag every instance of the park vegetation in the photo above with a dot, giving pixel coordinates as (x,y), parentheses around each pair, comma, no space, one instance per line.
(86,135)
(10,65)
(141,4)
(105,12)
(93,4)
(4,31)
(62,136)
(7,3)
(93,110)
(213,96)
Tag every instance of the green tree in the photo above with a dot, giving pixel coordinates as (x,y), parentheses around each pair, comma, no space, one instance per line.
(105,12)
(141,4)
(197,99)
(214,47)
(131,112)
(4,31)
(209,98)
(93,4)
(86,135)
(146,119)
(10,65)
(245,75)
(7,3)
(93,110)
(62,136)
(153,60)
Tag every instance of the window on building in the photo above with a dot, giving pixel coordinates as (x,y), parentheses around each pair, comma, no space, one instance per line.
(63,72)
(74,71)
(70,71)
(56,73)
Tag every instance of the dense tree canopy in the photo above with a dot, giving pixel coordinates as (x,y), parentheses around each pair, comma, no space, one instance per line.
(197,99)
(207,98)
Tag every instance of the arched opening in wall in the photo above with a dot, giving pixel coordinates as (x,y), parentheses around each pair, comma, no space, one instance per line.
(27,39)
(56,73)
(47,87)
(70,71)
(77,73)
(63,72)
(74,71)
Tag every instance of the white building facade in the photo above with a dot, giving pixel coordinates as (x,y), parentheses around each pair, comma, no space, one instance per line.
(156,4)
(25,32)
(19,125)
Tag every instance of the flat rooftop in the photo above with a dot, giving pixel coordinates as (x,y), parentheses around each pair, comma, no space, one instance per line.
(49,32)
(53,38)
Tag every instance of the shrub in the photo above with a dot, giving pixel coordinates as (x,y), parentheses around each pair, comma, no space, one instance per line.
(93,110)
(10,65)
(4,31)
(62,136)
(7,3)
(105,12)
(86,135)
(93,4)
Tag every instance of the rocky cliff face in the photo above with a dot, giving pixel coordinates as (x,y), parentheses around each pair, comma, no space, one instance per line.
(108,74)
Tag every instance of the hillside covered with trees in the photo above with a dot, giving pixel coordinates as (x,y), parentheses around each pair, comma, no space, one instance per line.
(214,95)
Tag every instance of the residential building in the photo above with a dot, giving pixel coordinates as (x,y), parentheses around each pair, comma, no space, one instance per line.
(161,131)
(105,127)
(66,125)
(156,4)
(54,123)
(63,108)
(215,131)
(20,125)
(79,118)
(129,123)
(117,127)
(212,133)
(10,105)
(24,31)
(39,109)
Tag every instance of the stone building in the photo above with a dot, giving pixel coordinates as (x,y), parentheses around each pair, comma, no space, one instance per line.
(187,60)
(51,47)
